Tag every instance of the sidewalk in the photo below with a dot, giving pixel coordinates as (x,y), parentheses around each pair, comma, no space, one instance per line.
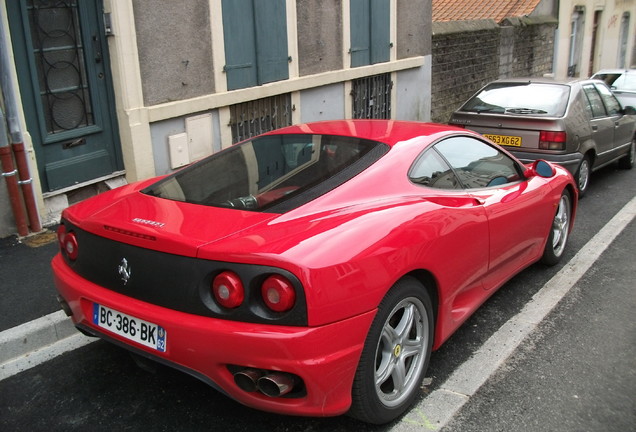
(30,316)
(26,279)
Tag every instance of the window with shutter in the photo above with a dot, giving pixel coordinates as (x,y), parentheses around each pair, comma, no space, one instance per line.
(370,32)
(255,34)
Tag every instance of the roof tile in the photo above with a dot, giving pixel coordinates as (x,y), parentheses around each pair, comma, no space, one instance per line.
(498,10)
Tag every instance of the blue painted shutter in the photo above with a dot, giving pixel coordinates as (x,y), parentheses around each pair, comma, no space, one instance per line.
(240,43)
(271,40)
(360,33)
(380,37)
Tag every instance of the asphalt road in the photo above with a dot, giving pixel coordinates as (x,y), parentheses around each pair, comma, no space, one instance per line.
(575,372)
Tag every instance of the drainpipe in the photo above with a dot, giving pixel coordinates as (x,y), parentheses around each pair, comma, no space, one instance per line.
(22,162)
(9,172)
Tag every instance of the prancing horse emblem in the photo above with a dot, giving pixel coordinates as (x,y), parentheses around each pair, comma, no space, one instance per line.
(124,270)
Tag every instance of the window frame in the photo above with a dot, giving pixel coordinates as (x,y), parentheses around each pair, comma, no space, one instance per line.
(462,185)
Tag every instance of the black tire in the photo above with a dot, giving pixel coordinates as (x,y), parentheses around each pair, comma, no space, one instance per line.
(401,335)
(627,161)
(582,176)
(559,232)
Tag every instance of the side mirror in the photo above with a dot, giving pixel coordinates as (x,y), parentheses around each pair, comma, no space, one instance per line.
(629,110)
(540,168)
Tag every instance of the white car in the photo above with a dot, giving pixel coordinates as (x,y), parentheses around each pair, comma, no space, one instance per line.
(622,82)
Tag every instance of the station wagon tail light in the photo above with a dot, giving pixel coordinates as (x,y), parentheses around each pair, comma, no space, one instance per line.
(278,293)
(228,289)
(549,140)
(68,242)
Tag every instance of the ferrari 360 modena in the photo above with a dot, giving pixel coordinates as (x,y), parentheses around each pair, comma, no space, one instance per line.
(312,270)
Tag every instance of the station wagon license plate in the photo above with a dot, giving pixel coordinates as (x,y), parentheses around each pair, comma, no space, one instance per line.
(129,327)
(507,140)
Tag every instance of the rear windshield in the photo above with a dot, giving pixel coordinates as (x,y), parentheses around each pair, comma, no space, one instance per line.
(275,172)
(520,99)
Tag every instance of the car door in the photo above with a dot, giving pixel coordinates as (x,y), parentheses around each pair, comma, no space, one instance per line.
(601,123)
(518,216)
(623,125)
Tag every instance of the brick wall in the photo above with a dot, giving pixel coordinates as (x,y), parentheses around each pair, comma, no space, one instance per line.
(466,55)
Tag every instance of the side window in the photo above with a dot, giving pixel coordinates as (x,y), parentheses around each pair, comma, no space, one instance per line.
(255,37)
(611,103)
(594,100)
(478,164)
(370,38)
(432,170)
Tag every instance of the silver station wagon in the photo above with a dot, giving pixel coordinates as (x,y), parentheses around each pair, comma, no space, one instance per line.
(578,124)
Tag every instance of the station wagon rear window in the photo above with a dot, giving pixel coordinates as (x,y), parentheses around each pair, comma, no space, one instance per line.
(543,99)
(271,173)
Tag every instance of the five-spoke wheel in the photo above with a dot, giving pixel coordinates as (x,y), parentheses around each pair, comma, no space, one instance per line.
(395,355)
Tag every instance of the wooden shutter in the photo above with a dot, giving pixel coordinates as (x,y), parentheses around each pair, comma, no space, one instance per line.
(240,43)
(380,35)
(360,33)
(271,40)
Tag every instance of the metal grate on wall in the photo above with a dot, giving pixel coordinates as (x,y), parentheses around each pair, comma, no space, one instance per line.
(253,118)
(372,97)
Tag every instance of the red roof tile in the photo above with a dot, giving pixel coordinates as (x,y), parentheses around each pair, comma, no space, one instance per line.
(468,10)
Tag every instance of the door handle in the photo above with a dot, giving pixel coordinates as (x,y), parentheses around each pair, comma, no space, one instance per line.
(97,49)
(74,143)
(594,128)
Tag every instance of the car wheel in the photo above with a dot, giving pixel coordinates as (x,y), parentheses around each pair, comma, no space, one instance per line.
(560,231)
(627,162)
(583,176)
(395,354)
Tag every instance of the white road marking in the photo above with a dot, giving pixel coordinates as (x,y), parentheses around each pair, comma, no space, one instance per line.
(438,408)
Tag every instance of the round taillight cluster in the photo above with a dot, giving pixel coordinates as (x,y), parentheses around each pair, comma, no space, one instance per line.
(277,292)
(228,289)
(68,242)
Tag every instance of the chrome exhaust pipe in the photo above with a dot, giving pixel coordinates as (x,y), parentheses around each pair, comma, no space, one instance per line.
(247,378)
(276,384)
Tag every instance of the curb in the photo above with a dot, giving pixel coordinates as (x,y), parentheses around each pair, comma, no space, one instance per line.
(29,344)
(33,335)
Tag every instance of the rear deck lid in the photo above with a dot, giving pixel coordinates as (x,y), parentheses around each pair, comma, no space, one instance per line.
(164,225)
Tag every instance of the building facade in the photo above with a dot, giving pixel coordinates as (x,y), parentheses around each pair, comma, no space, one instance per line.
(593,35)
(108,91)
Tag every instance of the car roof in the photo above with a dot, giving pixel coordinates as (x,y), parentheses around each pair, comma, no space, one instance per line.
(545,80)
(386,131)
(616,71)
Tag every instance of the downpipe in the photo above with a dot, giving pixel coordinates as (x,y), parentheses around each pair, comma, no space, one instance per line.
(9,172)
(26,182)
(16,150)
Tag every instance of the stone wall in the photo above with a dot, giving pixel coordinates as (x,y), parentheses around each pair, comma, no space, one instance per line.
(469,54)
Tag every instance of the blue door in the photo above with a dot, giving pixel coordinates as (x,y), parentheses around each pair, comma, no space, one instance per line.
(63,69)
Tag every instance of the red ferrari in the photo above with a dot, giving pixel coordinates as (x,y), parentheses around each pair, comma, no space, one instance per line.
(313,269)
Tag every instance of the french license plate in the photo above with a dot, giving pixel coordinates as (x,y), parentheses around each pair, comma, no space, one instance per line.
(134,329)
(507,140)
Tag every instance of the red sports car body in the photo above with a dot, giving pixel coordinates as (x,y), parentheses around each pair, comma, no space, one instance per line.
(311,270)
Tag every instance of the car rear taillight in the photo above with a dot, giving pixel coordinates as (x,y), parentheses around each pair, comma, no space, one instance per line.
(68,242)
(61,233)
(278,293)
(228,289)
(549,140)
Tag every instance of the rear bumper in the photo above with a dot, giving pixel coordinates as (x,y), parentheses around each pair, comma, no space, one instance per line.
(569,161)
(324,357)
